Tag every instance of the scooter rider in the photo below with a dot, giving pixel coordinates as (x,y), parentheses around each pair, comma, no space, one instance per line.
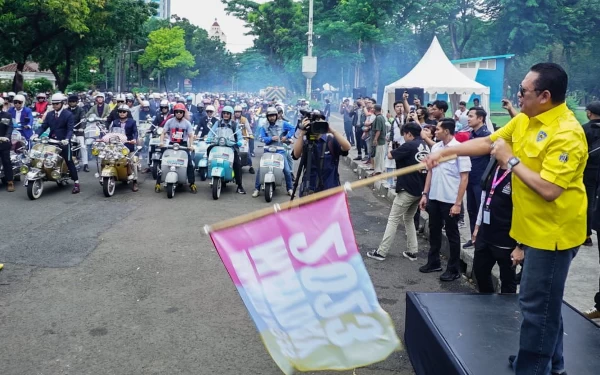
(227,121)
(162,116)
(273,134)
(6,128)
(61,125)
(179,130)
(22,115)
(131,131)
(113,114)
(207,122)
(246,131)
(79,130)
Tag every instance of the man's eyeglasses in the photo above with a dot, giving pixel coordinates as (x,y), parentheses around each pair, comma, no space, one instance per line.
(17,102)
(119,101)
(523,91)
(122,111)
(56,103)
(179,112)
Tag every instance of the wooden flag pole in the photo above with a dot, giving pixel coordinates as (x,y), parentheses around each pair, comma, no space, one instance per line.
(315,197)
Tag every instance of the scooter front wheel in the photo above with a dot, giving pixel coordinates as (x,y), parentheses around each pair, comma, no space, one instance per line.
(269,191)
(216,188)
(202,171)
(155,170)
(35,189)
(171,190)
(108,186)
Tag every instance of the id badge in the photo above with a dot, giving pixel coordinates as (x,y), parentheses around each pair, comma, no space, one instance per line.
(486,216)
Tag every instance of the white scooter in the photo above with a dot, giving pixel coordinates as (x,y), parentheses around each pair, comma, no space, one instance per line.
(272,164)
(174,167)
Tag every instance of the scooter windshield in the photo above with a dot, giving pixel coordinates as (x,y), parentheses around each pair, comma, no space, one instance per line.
(224,136)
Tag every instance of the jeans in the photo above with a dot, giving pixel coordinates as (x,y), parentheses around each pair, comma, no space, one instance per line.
(486,256)
(439,215)
(287,173)
(349,131)
(590,190)
(540,299)
(82,149)
(473,202)
(597,296)
(251,146)
(390,180)
(403,208)
(360,143)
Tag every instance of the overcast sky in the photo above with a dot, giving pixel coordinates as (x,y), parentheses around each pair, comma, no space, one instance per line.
(203,13)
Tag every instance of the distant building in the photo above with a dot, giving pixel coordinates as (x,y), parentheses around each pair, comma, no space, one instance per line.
(488,71)
(215,32)
(31,71)
(164,8)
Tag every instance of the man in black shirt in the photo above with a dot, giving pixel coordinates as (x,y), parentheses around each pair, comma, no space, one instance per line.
(590,174)
(6,128)
(493,243)
(409,188)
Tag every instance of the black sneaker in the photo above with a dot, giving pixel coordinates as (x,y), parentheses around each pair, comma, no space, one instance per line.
(588,242)
(251,170)
(410,256)
(429,268)
(449,276)
(359,157)
(240,190)
(468,244)
(375,255)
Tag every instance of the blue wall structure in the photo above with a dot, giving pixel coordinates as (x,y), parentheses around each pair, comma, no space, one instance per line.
(494,79)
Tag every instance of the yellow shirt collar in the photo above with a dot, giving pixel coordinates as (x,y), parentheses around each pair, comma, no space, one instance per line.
(549,116)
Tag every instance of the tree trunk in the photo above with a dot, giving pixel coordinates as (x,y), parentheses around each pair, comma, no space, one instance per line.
(376,73)
(17,84)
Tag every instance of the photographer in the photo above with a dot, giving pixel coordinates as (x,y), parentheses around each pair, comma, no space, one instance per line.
(325,157)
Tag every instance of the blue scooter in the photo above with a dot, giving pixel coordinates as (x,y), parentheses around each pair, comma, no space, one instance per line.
(220,160)
(200,158)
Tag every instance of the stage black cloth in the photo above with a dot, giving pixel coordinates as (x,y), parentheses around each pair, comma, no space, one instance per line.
(474,334)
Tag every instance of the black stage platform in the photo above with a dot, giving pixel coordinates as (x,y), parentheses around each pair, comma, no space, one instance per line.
(474,334)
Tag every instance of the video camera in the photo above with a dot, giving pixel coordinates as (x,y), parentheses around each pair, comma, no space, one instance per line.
(317,125)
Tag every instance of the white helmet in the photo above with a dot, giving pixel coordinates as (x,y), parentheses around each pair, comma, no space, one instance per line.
(100,95)
(164,103)
(124,107)
(156,95)
(145,103)
(237,108)
(1,101)
(41,95)
(19,98)
(210,108)
(57,98)
(120,97)
(11,94)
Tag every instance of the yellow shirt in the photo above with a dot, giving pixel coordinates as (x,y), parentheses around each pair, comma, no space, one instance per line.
(554,145)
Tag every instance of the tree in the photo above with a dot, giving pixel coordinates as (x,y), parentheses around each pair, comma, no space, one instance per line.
(166,52)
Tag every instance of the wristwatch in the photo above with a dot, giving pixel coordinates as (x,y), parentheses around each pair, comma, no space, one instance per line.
(513,162)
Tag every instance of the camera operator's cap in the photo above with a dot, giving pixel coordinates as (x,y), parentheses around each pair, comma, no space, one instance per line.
(594,108)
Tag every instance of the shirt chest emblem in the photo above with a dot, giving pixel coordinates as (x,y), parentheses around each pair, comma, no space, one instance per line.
(541,136)
(507,189)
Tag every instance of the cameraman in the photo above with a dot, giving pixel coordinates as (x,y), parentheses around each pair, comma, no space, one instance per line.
(325,157)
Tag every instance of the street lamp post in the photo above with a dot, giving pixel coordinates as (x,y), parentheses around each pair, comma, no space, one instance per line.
(121,75)
(92,72)
(309,62)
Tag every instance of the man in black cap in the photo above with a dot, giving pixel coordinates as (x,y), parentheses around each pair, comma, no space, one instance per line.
(79,130)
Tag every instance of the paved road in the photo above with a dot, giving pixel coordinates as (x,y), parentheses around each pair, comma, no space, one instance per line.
(131,285)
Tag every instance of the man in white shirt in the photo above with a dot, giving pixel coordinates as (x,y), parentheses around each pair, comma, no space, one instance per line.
(443,195)
(461,116)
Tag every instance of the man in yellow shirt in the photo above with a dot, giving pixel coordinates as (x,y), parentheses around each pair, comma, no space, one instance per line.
(546,149)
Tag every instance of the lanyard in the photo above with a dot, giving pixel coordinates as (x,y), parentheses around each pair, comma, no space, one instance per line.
(495,182)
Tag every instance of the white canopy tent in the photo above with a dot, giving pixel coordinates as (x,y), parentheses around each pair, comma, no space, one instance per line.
(435,74)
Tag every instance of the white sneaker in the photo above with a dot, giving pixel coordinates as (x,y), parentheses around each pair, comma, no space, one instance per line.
(290,192)
(255,194)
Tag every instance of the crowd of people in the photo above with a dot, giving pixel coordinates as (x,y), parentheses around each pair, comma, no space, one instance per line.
(531,191)
(183,119)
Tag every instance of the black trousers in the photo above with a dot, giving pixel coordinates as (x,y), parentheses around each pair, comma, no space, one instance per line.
(237,164)
(191,176)
(597,297)
(360,143)
(486,256)
(66,155)
(6,164)
(590,190)
(439,216)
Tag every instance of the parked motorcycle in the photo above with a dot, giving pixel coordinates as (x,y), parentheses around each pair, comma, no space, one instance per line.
(174,167)
(46,164)
(114,161)
(220,160)
(200,159)
(272,164)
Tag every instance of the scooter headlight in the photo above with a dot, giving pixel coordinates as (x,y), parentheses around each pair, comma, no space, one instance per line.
(48,164)
(272,149)
(39,164)
(175,147)
(55,174)
(95,151)
(24,169)
(173,169)
(222,142)
(125,151)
